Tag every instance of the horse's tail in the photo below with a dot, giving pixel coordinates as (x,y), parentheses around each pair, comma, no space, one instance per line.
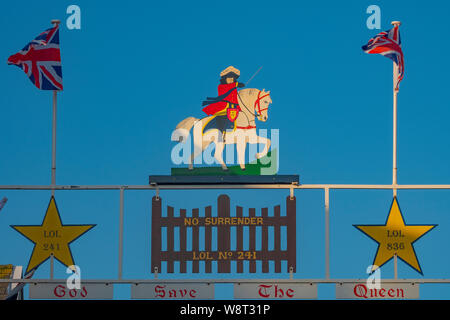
(184,127)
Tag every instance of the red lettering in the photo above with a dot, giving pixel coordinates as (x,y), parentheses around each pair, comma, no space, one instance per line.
(183,292)
(391,293)
(59,291)
(278,291)
(73,293)
(162,291)
(83,292)
(360,290)
(267,291)
(290,293)
(263,290)
(159,291)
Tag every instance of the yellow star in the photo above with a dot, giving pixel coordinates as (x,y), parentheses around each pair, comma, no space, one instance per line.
(52,238)
(395,238)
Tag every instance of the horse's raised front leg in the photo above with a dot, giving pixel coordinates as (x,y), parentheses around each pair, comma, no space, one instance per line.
(266,143)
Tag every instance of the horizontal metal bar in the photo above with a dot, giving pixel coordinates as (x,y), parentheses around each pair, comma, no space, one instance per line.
(228,186)
(147,187)
(374,186)
(160,280)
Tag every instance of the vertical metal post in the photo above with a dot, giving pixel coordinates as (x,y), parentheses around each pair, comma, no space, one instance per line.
(327,233)
(394,144)
(394,134)
(52,262)
(395,267)
(53,169)
(54,142)
(55,23)
(394,158)
(120,234)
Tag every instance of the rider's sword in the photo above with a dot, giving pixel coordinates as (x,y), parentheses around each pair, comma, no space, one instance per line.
(253,75)
(257,71)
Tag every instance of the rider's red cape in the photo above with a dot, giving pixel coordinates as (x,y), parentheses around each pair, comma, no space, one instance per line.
(213,108)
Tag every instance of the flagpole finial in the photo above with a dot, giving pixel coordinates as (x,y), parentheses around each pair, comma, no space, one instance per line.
(56,22)
(396,23)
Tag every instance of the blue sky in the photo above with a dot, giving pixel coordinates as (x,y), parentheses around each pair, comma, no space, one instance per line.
(135,69)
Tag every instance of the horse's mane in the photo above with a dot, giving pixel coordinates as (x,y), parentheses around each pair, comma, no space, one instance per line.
(248,92)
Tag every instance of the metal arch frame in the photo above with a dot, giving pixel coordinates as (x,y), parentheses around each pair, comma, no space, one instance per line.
(292,187)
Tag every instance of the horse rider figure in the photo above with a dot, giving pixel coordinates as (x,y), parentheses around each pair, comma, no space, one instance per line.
(225,107)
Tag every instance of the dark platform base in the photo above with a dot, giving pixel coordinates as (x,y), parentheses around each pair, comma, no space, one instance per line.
(247,179)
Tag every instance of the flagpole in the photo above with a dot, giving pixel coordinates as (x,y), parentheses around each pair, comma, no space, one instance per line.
(54,143)
(394,135)
(53,171)
(55,23)
(394,144)
(394,154)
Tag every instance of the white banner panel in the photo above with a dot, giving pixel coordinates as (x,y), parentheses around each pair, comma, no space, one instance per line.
(184,291)
(60,291)
(275,291)
(360,290)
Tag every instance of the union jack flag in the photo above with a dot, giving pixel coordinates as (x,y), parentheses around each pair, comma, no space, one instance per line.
(41,60)
(388,44)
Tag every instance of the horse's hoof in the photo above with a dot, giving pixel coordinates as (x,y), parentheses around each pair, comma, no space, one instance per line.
(190,168)
(260,155)
(243,169)
(225,168)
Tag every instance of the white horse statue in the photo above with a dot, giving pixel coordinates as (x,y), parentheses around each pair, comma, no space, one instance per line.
(254,103)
